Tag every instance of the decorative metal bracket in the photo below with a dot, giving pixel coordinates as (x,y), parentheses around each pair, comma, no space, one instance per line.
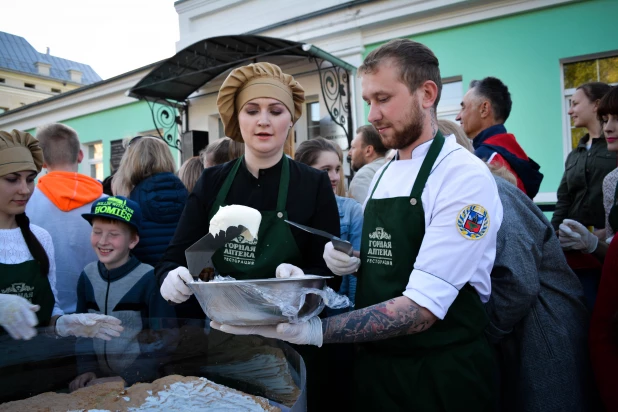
(335,85)
(164,118)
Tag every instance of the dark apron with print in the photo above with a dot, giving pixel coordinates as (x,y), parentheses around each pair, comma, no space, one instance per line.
(448,367)
(25,280)
(258,259)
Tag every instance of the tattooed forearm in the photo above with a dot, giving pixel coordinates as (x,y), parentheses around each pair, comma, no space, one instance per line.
(434,124)
(395,317)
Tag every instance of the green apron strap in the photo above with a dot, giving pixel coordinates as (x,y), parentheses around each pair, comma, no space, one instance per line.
(380,178)
(284,182)
(423,174)
(220,199)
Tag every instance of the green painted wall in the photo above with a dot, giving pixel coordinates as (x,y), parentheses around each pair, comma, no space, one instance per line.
(117,123)
(524,51)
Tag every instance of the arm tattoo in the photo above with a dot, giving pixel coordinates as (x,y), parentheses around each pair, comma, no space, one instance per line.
(395,317)
(434,127)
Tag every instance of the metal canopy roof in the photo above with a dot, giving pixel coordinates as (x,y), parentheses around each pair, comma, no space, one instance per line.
(179,76)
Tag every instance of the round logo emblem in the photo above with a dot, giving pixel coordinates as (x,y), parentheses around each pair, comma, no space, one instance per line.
(473,222)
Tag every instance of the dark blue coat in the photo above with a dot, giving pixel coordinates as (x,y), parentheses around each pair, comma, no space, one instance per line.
(162,198)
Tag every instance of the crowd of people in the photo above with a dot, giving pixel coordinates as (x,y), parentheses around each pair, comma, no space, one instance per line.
(465,296)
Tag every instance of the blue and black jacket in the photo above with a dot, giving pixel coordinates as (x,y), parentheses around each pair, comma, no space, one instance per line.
(129,293)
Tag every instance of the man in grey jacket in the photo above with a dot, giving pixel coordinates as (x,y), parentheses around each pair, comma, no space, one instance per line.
(366,156)
(538,319)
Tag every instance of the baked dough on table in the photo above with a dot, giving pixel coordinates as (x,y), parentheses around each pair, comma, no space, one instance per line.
(171,393)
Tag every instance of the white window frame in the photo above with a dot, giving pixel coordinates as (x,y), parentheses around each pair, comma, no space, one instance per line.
(451,111)
(88,162)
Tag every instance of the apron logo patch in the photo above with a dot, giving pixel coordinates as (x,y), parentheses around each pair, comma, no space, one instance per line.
(20,289)
(380,249)
(240,250)
(473,222)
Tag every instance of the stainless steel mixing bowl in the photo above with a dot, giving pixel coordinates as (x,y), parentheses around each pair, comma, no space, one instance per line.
(259,301)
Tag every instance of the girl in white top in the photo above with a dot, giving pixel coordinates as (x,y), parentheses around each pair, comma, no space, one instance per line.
(27,266)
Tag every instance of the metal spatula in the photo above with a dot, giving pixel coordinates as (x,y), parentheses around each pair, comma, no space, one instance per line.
(340,245)
(199,255)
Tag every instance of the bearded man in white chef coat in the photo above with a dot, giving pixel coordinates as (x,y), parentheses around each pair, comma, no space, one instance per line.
(428,246)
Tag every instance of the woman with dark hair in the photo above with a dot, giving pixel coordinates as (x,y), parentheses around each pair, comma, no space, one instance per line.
(604,325)
(580,194)
(28,283)
(573,234)
(321,154)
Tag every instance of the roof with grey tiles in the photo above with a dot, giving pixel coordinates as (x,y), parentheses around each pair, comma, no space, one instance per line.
(19,55)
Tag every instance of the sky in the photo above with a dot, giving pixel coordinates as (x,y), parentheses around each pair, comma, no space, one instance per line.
(112,36)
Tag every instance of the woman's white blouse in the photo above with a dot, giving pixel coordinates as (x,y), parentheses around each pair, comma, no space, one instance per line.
(14,250)
(609,190)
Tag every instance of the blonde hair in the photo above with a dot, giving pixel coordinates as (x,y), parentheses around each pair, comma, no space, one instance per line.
(60,144)
(503,172)
(145,156)
(309,151)
(190,172)
(222,151)
(447,127)
(340,191)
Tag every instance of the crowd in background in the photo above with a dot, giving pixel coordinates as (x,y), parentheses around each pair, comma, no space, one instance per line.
(553,310)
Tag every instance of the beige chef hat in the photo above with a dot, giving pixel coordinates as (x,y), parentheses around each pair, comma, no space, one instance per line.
(254,81)
(19,151)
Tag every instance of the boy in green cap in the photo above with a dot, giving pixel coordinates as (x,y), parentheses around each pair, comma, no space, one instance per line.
(119,284)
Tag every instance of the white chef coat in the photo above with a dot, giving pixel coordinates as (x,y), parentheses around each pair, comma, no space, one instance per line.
(447,260)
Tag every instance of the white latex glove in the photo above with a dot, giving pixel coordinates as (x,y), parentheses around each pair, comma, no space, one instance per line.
(174,287)
(17,316)
(285,270)
(338,262)
(89,325)
(306,333)
(575,236)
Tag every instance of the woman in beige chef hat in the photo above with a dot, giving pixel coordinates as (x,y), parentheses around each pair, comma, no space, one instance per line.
(27,267)
(259,105)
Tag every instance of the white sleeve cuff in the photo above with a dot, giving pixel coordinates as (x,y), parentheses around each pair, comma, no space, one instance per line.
(434,294)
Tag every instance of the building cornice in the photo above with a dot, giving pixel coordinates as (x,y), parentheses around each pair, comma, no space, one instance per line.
(104,95)
(42,77)
(381,22)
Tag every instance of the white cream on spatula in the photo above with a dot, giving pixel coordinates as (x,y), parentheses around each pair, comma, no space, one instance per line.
(236,215)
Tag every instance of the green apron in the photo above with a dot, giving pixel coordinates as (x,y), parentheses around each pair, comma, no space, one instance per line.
(612,219)
(25,280)
(448,367)
(258,259)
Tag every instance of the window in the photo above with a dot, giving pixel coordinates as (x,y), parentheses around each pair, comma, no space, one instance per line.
(56,90)
(2,80)
(3,109)
(95,160)
(575,73)
(313,120)
(29,85)
(450,99)
(220,128)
